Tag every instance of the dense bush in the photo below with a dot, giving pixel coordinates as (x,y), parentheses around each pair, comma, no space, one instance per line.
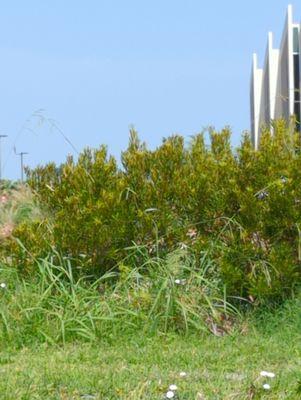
(243,206)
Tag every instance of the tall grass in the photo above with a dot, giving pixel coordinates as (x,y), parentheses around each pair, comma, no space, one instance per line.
(176,293)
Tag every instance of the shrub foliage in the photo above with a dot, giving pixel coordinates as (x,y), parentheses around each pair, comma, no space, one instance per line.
(243,206)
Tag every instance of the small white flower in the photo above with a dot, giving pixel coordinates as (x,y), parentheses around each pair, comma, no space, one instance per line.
(178,281)
(170,395)
(183,374)
(266,386)
(173,388)
(3,285)
(267,374)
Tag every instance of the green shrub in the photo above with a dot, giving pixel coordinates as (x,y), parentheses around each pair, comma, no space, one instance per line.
(242,205)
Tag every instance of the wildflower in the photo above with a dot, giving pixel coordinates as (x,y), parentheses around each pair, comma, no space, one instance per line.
(178,281)
(267,374)
(266,386)
(170,394)
(183,246)
(182,374)
(3,285)
(173,388)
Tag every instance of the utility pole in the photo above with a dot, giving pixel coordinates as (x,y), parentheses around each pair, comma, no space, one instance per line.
(1,137)
(22,154)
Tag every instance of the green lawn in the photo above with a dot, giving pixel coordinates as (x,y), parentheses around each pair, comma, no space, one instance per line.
(143,368)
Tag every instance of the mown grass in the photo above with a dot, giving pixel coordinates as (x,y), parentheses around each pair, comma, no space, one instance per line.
(142,367)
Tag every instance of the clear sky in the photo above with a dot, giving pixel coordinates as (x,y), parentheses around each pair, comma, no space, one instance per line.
(95,67)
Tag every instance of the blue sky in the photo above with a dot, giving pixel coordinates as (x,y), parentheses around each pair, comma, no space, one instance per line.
(95,67)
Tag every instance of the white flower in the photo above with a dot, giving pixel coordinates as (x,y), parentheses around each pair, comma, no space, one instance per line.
(267,374)
(173,388)
(3,285)
(266,386)
(180,282)
(170,395)
(182,374)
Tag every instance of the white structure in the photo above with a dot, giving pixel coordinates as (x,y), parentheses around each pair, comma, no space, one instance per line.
(275,89)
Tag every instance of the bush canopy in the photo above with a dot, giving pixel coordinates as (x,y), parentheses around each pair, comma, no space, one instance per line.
(242,206)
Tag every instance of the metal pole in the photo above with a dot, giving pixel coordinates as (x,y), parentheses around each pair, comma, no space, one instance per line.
(22,167)
(1,137)
(22,154)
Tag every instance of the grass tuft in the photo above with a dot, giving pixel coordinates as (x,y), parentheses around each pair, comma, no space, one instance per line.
(172,294)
